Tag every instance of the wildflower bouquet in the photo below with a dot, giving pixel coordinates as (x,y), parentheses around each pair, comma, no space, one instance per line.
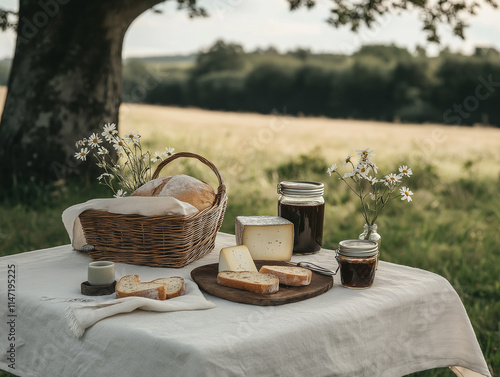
(132,166)
(373,193)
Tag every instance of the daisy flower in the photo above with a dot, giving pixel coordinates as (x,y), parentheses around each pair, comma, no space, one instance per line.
(168,152)
(120,194)
(349,174)
(347,159)
(405,193)
(157,157)
(80,143)
(392,179)
(102,151)
(372,180)
(82,155)
(109,131)
(363,169)
(405,170)
(94,140)
(132,137)
(119,145)
(373,166)
(105,175)
(365,154)
(331,169)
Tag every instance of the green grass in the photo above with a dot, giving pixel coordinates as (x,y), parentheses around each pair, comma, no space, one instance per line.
(451,228)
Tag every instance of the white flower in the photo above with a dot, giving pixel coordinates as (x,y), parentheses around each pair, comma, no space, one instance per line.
(365,154)
(103,175)
(82,155)
(120,194)
(373,166)
(80,143)
(168,152)
(94,140)
(117,167)
(119,144)
(372,196)
(109,131)
(132,137)
(405,193)
(405,170)
(372,180)
(363,169)
(332,169)
(392,179)
(157,157)
(347,159)
(349,174)
(102,151)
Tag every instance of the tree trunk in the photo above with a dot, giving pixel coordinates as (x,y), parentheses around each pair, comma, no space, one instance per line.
(65,82)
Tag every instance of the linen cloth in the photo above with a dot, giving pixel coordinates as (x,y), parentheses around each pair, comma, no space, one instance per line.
(82,316)
(138,205)
(409,320)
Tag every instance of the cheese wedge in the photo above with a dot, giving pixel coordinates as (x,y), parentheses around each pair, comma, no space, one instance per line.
(267,237)
(236,258)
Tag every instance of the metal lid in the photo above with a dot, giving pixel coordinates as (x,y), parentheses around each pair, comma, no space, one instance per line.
(301,188)
(358,248)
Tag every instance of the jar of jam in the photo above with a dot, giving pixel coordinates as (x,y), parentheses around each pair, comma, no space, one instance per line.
(357,261)
(302,203)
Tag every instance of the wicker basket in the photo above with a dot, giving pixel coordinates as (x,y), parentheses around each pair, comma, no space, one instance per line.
(160,241)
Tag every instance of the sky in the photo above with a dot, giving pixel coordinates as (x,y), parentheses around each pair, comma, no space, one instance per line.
(262,23)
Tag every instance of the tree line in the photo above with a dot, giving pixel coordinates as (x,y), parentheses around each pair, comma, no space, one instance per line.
(378,82)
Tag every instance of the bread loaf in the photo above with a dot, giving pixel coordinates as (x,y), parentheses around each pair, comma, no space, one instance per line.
(182,187)
(175,286)
(289,275)
(130,285)
(250,281)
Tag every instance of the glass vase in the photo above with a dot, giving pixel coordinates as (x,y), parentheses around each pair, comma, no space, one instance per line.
(370,233)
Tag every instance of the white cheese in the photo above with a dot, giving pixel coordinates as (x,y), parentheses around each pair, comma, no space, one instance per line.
(267,237)
(236,258)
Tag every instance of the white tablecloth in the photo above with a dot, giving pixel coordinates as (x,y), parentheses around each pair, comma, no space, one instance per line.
(409,320)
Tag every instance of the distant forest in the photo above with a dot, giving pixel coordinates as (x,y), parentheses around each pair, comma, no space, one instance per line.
(378,82)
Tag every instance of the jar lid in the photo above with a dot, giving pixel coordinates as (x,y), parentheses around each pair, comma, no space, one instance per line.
(301,188)
(358,248)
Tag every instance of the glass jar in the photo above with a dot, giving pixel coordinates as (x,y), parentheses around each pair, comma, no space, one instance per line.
(370,233)
(357,261)
(302,203)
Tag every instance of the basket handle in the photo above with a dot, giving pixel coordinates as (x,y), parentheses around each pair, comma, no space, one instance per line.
(221,189)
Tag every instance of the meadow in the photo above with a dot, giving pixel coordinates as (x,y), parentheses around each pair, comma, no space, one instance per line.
(450,228)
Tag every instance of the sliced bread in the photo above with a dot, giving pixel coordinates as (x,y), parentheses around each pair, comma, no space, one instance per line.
(250,281)
(130,285)
(289,275)
(175,286)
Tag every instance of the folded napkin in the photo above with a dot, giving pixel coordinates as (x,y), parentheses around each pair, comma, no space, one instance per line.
(81,316)
(138,205)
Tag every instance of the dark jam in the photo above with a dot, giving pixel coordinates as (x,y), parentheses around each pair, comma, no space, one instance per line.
(307,225)
(358,273)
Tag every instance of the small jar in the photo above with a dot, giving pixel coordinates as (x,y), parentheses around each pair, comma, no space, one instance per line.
(357,261)
(302,203)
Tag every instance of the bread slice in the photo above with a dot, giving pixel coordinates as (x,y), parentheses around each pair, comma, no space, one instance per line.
(250,281)
(289,275)
(130,285)
(175,286)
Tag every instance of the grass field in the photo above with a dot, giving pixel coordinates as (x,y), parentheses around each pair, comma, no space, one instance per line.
(450,228)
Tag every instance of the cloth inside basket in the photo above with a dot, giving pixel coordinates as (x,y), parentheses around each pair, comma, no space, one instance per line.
(138,205)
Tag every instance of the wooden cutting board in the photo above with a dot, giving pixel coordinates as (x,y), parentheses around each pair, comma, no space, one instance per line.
(206,278)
